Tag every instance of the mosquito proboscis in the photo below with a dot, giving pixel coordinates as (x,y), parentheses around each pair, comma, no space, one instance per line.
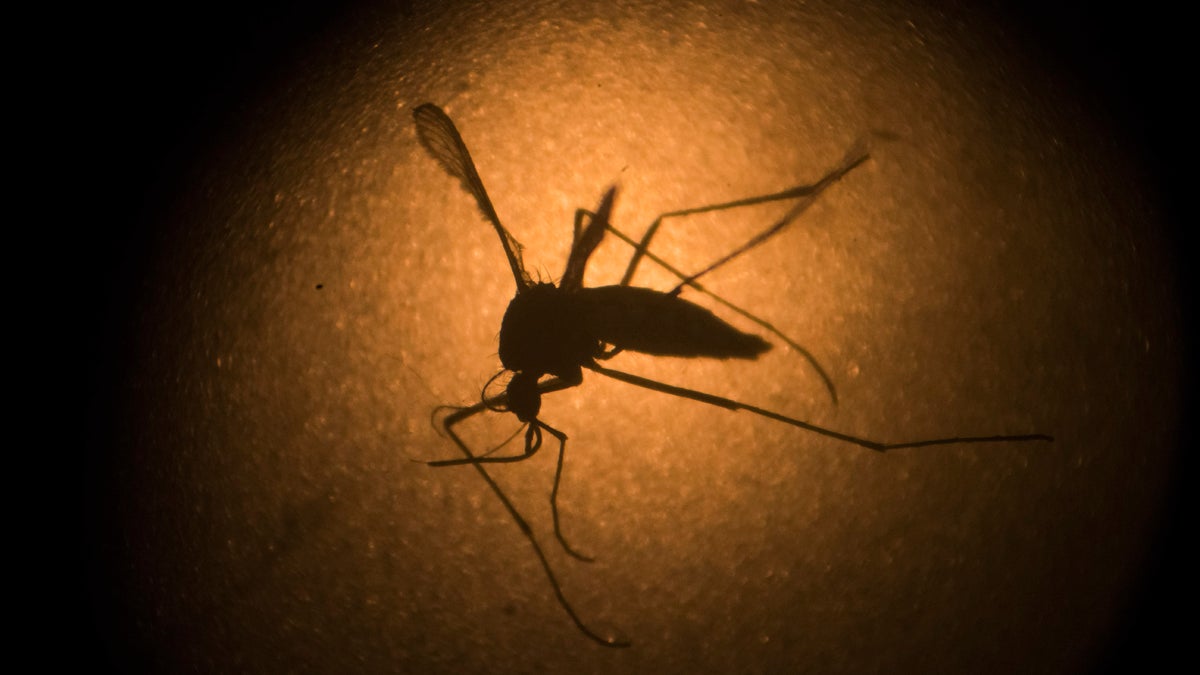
(550,333)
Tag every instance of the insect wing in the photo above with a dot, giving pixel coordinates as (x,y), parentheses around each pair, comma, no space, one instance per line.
(582,247)
(442,141)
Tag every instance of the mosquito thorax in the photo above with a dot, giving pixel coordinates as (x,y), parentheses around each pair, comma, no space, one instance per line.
(543,332)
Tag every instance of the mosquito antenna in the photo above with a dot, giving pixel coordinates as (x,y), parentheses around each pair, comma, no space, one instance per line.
(506,441)
(457,410)
(497,403)
(442,141)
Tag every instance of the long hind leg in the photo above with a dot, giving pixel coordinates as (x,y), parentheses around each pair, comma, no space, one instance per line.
(877,446)
(806,193)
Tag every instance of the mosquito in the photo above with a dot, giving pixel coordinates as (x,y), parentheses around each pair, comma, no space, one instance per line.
(550,333)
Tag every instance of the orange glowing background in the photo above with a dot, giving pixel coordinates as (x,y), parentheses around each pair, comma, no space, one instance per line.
(316,286)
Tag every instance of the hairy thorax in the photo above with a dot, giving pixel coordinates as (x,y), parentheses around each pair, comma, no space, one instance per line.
(544,332)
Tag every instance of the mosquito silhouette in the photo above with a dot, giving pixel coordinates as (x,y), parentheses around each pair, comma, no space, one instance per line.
(550,333)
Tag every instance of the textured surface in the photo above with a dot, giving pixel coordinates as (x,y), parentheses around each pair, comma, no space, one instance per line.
(322,286)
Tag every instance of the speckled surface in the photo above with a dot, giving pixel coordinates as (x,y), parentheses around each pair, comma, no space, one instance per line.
(988,271)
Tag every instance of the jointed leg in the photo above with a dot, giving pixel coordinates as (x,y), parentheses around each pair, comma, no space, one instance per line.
(730,404)
(692,283)
(806,193)
(562,446)
(533,443)
(812,360)
(471,459)
(855,156)
(498,403)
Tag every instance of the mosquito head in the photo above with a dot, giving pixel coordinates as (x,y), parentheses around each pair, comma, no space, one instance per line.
(524,399)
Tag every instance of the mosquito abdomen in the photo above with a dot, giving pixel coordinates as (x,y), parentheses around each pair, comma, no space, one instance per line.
(652,322)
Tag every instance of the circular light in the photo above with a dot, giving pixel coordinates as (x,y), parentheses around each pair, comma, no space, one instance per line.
(319,286)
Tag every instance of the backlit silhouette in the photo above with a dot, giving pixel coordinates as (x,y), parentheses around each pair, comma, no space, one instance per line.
(551,333)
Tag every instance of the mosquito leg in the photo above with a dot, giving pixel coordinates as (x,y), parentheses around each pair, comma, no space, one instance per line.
(807,195)
(533,436)
(807,199)
(533,443)
(562,446)
(855,156)
(692,283)
(465,413)
(528,532)
(730,404)
(442,433)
